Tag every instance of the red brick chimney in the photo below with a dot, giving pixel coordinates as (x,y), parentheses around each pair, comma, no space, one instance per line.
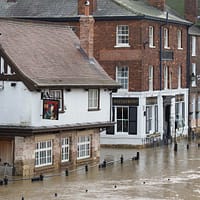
(191,10)
(160,4)
(81,6)
(87,32)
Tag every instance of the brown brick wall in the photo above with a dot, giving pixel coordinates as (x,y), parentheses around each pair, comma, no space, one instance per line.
(139,56)
(25,152)
(191,10)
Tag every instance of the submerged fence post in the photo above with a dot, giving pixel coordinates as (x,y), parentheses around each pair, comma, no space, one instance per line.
(66,172)
(121,159)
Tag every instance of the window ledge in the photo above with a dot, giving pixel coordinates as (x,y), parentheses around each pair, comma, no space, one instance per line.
(152,47)
(167,48)
(94,109)
(122,46)
(180,48)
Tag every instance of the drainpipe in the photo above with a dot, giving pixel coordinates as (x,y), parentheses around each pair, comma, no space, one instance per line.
(188,75)
(161,33)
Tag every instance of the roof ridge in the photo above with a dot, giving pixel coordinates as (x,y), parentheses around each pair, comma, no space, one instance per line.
(122,3)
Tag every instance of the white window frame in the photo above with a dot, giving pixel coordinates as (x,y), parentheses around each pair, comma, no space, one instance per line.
(194,82)
(166,38)
(65,149)
(122,36)
(194,45)
(198,107)
(122,77)
(93,99)
(179,39)
(166,74)
(151,118)
(179,76)
(83,147)
(43,153)
(151,37)
(193,106)
(180,113)
(2,65)
(150,77)
(122,120)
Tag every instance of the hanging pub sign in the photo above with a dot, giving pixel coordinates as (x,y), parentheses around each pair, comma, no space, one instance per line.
(50,109)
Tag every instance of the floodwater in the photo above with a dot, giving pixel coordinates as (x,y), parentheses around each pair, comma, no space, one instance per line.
(159,174)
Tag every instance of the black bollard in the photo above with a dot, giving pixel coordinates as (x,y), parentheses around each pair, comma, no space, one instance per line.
(138,155)
(22,198)
(5,180)
(41,177)
(1,182)
(86,168)
(199,145)
(175,147)
(66,172)
(187,146)
(121,159)
(104,163)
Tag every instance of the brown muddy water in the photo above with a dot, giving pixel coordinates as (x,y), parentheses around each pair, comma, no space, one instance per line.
(159,174)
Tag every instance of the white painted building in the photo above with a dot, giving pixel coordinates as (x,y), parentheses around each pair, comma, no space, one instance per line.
(54,99)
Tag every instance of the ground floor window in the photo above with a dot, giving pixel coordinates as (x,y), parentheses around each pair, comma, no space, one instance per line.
(43,153)
(84,143)
(180,114)
(151,118)
(122,119)
(65,149)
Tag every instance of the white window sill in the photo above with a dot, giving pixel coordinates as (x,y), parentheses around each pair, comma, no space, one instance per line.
(122,46)
(152,47)
(166,47)
(180,48)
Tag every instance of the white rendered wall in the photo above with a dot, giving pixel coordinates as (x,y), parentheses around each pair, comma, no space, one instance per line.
(141,119)
(19,106)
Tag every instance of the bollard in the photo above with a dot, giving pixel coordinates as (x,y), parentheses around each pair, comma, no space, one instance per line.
(1,182)
(5,180)
(41,177)
(86,168)
(104,163)
(175,147)
(66,172)
(199,145)
(121,159)
(22,198)
(138,156)
(187,146)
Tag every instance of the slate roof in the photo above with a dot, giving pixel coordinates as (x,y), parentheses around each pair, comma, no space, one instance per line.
(68,8)
(49,54)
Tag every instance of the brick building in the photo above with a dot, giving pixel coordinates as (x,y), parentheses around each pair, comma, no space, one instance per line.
(192,13)
(142,46)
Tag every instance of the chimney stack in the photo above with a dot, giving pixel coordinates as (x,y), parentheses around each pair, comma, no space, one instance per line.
(191,10)
(81,6)
(160,4)
(87,32)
